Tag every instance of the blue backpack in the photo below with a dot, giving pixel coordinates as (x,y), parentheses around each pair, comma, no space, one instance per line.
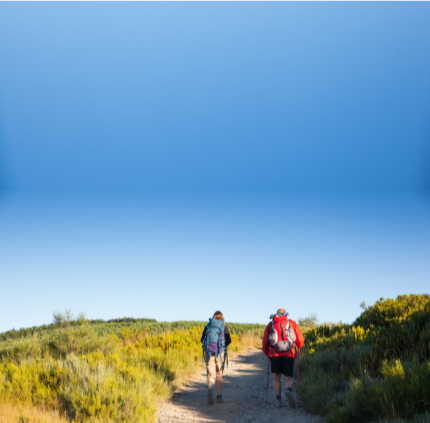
(214,340)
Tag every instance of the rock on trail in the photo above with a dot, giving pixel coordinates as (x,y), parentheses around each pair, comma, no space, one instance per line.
(244,390)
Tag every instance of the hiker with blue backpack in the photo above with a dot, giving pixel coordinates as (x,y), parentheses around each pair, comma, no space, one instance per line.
(281,339)
(215,339)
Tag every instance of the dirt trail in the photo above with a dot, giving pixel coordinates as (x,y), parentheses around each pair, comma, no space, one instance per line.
(244,388)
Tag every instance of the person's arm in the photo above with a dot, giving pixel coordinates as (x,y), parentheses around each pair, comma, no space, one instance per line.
(227,336)
(265,343)
(203,334)
(300,339)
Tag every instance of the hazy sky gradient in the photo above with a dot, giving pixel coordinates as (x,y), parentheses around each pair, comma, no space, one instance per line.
(152,151)
(169,259)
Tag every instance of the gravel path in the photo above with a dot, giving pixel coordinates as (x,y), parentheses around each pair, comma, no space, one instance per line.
(244,389)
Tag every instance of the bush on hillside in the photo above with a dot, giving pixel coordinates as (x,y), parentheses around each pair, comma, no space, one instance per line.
(309,322)
(114,326)
(102,378)
(421,418)
(376,368)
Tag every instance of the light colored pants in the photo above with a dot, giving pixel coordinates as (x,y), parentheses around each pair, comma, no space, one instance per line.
(214,367)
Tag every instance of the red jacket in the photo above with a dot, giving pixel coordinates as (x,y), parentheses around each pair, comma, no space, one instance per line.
(271,352)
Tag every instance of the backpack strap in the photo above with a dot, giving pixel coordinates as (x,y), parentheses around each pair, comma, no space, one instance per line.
(205,343)
(219,352)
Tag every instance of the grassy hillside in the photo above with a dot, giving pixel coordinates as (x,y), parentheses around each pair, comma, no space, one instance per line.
(114,326)
(377,368)
(96,371)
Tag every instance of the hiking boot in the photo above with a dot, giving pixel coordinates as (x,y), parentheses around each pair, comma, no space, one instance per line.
(210,397)
(219,399)
(278,403)
(290,398)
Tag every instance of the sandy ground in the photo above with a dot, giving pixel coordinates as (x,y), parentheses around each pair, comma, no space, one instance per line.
(244,390)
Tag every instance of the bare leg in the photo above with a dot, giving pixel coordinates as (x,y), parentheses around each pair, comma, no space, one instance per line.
(288,391)
(277,383)
(288,382)
(219,385)
(210,367)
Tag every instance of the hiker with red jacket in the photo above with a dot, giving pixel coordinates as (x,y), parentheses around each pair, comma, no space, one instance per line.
(281,338)
(215,339)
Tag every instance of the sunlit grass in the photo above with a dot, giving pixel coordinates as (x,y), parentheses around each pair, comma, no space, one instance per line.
(93,377)
(26,413)
(377,368)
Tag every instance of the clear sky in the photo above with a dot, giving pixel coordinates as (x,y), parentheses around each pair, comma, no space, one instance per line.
(169,159)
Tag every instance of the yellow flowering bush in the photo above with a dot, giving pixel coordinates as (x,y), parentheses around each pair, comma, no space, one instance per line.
(378,367)
(99,378)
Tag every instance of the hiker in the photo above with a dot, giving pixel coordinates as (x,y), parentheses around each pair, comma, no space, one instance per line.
(215,339)
(281,338)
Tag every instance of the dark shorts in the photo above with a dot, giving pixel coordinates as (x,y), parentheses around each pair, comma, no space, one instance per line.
(282,365)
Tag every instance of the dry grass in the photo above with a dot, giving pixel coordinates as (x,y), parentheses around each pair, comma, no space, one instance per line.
(19,413)
(73,370)
(250,342)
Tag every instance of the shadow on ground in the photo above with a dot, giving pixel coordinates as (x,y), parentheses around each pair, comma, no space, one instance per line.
(244,391)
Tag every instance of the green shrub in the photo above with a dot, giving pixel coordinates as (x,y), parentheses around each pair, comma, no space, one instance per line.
(403,392)
(75,340)
(114,327)
(325,376)
(376,368)
(91,392)
(94,376)
(20,349)
(423,418)
(310,322)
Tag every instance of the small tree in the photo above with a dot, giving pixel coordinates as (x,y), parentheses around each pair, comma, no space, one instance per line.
(311,321)
(64,319)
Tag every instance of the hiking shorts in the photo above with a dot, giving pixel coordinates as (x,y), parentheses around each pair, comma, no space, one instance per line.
(282,365)
(213,367)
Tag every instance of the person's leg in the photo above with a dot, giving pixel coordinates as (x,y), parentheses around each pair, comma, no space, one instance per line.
(288,371)
(276,363)
(218,377)
(210,369)
(219,385)
(288,382)
(277,389)
(277,383)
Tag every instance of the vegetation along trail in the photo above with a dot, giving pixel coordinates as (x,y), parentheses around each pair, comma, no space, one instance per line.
(244,389)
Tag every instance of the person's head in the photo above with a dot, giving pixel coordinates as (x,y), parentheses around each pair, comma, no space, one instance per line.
(279,313)
(218,316)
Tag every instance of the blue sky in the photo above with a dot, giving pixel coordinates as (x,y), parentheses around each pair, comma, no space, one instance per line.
(169,159)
